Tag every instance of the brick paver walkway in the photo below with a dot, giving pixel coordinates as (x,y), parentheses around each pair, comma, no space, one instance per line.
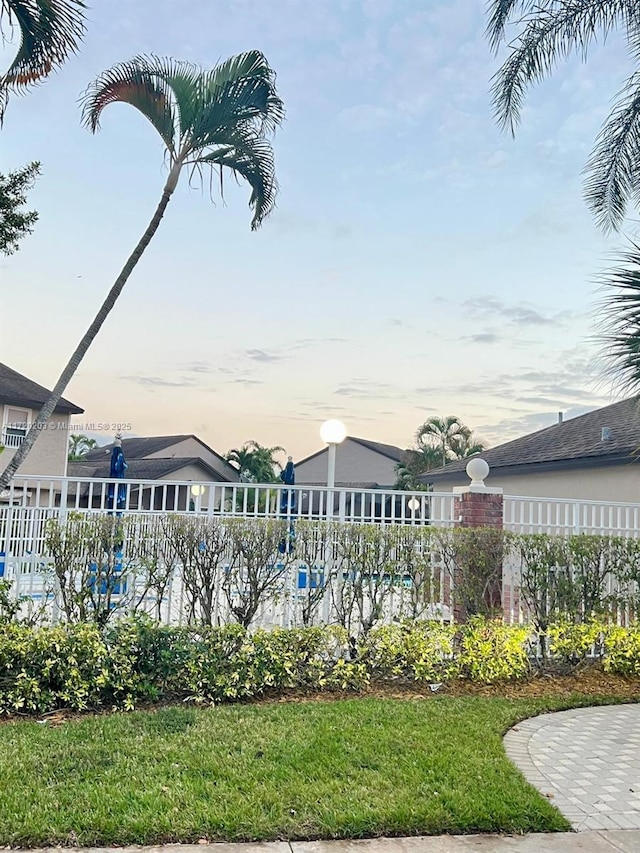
(587,761)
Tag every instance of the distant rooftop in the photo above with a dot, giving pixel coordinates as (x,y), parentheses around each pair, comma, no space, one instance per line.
(606,436)
(19,390)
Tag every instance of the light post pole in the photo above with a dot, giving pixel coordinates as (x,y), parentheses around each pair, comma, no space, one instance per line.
(414,506)
(332,433)
(197,491)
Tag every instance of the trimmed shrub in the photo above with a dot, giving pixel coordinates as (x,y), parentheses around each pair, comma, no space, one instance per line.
(491,651)
(622,650)
(82,667)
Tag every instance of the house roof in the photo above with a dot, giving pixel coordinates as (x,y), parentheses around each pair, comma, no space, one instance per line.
(141,448)
(388,450)
(18,390)
(138,448)
(140,469)
(575,443)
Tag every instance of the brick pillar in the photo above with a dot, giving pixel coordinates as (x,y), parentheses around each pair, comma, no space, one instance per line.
(476,505)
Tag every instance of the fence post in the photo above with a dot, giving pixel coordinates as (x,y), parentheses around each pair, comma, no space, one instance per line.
(477,505)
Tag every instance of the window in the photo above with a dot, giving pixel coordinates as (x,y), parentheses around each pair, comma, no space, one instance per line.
(15,427)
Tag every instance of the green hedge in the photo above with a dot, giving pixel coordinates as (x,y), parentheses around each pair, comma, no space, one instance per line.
(81,667)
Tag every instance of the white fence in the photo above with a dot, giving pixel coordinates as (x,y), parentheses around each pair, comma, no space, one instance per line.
(232,499)
(567,516)
(301,579)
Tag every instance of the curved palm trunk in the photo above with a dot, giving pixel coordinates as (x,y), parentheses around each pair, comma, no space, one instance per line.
(47,410)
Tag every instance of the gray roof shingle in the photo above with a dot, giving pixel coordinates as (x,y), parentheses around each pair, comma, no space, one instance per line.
(21,391)
(388,450)
(574,443)
(140,469)
(141,448)
(138,448)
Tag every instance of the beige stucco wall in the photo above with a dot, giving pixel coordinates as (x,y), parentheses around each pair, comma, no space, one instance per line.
(616,483)
(48,456)
(189,472)
(191,447)
(354,464)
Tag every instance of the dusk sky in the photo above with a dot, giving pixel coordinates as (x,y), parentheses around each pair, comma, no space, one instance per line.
(419,261)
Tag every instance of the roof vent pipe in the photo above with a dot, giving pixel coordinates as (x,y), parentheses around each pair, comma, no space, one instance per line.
(606,434)
(559,417)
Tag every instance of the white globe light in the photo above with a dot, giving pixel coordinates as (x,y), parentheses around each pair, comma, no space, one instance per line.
(333,432)
(413,504)
(197,490)
(477,470)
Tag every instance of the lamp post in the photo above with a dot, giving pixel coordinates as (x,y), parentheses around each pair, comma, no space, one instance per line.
(197,491)
(332,433)
(414,506)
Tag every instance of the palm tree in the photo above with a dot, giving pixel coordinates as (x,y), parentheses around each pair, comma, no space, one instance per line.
(442,434)
(415,463)
(620,320)
(49,31)
(550,30)
(79,446)
(255,463)
(216,120)
(465,446)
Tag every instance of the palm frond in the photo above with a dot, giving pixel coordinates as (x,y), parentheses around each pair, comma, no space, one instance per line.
(185,81)
(619,324)
(614,164)
(551,33)
(136,83)
(50,30)
(249,82)
(251,158)
(500,11)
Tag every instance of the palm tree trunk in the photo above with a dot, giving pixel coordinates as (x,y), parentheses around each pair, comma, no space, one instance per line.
(47,410)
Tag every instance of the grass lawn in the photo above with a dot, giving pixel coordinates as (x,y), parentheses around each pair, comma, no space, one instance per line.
(344,769)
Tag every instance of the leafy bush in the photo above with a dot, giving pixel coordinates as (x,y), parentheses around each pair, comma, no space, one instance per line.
(492,651)
(573,643)
(622,650)
(132,661)
(41,669)
(419,650)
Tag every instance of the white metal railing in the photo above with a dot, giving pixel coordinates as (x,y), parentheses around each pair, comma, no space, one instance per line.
(31,501)
(11,439)
(246,500)
(310,584)
(567,516)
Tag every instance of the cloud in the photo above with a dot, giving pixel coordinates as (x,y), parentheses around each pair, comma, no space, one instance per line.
(263,355)
(483,338)
(197,367)
(158,382)
(519,315)
(364,118)
(304,343)
(496,159)
(367,389)
(247,382)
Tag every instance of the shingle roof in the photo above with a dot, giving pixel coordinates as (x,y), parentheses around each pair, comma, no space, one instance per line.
(140,469)
(389,450)
(21,391)
(141,448)
(574,443)
(138,448)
